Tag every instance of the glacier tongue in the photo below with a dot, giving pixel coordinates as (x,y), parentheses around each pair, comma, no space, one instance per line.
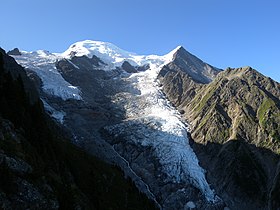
(153,122)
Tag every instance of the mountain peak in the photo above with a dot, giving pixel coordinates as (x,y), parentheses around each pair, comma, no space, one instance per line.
(177,51)
(180,48)
(111,54)
(104,50)
(191,65)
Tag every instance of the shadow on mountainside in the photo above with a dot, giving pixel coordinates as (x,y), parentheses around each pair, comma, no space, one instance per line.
(100,90)
(245,176)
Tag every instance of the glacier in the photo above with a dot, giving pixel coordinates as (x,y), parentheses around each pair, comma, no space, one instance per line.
(150,119)
(43,64)
(57,115)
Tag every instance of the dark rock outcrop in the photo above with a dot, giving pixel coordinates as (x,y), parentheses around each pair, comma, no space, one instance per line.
(143,68)
(128,67)
(198,70)
(14,52)
(181,78)
(17,71)
(83,73)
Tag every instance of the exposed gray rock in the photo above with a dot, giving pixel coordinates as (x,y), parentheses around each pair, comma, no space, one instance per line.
(184,76)
(128,67)
(15,51)
(193,66)
(143,68)
(18,166)
(16,71)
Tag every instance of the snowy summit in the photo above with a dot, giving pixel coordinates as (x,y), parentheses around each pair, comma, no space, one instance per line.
(43,63)
(113,55)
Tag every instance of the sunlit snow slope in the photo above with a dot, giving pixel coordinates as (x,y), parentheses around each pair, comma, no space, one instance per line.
(43,63)
(112,55)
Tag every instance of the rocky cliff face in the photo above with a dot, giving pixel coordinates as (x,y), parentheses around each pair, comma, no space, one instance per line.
(40,168)
(240,102)
(181,78)
(234,122)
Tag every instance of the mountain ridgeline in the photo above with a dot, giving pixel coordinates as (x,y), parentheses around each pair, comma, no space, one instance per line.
(134,111)
(234,120)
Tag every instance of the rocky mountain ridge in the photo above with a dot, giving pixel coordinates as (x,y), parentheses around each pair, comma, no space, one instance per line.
(234,123)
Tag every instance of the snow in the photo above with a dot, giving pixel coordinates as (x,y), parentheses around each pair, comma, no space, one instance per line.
(190,205)
(113,55)
(152,121)
(57,115)
(43,63)
(77,67)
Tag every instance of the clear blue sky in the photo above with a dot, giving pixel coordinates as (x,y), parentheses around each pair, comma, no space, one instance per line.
(221,32)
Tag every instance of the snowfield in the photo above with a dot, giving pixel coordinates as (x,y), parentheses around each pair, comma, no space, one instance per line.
(112,55)
(43,64)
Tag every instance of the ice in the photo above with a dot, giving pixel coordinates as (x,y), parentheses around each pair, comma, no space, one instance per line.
(43,63)
(190,205)
(57,115)
(152,121)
